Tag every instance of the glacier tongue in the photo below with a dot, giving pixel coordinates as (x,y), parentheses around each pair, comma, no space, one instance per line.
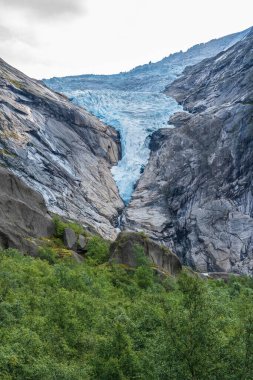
(133,104)
(136,115)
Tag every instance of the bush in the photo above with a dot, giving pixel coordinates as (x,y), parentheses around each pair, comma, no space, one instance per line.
(98,250)
(140,257)
(48,254)
(144,277)
(60,226)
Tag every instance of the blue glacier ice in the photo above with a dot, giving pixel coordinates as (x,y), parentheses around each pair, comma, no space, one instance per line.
(133,103)
(136,115)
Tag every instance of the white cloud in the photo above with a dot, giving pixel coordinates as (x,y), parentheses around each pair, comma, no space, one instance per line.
(47,38)
(46,8)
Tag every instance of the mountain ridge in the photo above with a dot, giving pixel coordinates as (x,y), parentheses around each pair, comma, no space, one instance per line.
(59,150)
(202,205)
(191,56)
(134,104)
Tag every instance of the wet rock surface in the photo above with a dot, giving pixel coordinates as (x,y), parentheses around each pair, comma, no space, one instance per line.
(59,150)
(196,193)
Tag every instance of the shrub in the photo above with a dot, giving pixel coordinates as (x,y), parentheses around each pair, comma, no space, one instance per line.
(140,257)
(98,250)
(144,276)
(143,273)
(48,254)
(60,226)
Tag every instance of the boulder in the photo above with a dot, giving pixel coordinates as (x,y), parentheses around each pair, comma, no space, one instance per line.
(23,214)
(125,251)
(69,238)
(82,242)
(78,258)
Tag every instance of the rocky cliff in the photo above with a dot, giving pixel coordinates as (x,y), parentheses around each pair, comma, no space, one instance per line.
(133,249)
(23,214)
(59,150)
(196,193)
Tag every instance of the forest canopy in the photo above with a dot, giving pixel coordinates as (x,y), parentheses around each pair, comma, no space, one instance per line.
(63,320)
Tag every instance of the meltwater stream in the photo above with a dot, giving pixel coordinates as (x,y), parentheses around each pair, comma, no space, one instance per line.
(136,115)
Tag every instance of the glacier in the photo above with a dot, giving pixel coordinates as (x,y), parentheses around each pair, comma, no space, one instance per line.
(134,104)
(136,115)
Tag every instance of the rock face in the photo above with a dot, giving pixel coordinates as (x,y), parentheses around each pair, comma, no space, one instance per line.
(59,150)
(23,213)
(82,242)
(196,193)
(69,238)
(125,251)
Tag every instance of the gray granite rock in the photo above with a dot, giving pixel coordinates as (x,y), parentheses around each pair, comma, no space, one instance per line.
(23,214)
(82,242)
(125,251)
(70,238)
(59,150)
(196,193)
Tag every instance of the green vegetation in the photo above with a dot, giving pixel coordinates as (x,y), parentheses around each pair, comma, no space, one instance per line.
(16,83)
(53,251)
(4,152)
(60,226)
(65,321)
(97,250)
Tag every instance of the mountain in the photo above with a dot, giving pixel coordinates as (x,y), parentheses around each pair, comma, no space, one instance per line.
(152,77)
(59,150)
(182,164)
(76,305)
(133,103)
(196,193)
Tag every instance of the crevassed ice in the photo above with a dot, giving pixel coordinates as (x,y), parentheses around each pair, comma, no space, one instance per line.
(131,102)
(136,115)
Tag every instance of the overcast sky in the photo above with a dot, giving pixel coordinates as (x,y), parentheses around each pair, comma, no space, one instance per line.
(45,38)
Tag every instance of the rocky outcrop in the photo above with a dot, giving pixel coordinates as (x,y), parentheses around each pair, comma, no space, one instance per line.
(23,214)
(196,193)
(70,238)
(125,250)
(76,242)
(59,150)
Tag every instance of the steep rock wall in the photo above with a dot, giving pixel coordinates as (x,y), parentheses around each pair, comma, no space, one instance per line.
(196,193)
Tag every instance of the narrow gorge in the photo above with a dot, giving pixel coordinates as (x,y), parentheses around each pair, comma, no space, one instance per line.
(157,149)
(135,105)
